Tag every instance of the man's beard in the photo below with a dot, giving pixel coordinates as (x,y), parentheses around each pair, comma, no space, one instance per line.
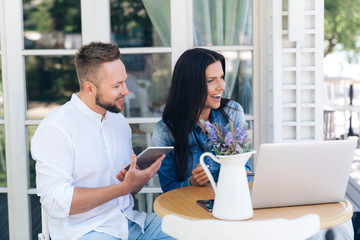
(111,107)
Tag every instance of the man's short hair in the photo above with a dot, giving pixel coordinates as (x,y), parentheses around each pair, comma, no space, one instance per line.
(89,58)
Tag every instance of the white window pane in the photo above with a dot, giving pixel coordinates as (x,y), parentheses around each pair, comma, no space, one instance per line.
(50,82)
(35,210)
(30,133)
(239,78)
(52,24)
(219,23)
(4,223)
(141,136)
(2,158)
(1,93)
(250,138)
(149,79)
(140,23)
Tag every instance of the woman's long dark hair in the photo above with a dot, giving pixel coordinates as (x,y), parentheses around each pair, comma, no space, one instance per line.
(186,99)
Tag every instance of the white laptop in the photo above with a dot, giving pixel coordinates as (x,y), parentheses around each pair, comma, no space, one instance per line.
(288,174)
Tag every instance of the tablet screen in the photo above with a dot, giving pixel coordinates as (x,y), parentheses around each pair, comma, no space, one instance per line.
(149,155)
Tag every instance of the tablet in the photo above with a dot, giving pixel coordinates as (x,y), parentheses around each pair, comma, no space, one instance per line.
(149,155)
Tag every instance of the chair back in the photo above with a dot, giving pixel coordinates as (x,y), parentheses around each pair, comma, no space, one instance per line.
(286,229)
(44,235)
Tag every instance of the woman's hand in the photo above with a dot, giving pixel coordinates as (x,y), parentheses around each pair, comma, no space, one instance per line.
(199,176)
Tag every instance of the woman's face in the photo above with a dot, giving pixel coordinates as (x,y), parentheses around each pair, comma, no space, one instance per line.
(215,85)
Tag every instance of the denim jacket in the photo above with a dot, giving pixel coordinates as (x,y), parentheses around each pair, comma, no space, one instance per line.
(198,143)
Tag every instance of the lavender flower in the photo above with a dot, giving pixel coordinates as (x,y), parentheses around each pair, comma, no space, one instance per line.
(241,134)
(229,138)
(238,148)
(212,131)
(226,140)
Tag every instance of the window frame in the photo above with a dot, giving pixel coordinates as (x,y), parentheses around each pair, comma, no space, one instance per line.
(97,28)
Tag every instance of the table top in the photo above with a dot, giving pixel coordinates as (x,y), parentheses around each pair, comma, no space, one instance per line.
(182,202)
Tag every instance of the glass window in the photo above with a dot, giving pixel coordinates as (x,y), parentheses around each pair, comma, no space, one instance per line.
(140,23)
(1,93)
(250,137)
(218,23)
(2,138)
(4,222)
(141,136)
(50,82)
(52,24)
(239,78)
(149,79)
(2,157)
(30,133)
(35,210)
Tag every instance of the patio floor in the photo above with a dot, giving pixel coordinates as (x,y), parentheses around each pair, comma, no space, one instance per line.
(353,188)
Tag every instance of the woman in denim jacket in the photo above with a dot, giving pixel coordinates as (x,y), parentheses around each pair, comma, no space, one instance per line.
(195,95)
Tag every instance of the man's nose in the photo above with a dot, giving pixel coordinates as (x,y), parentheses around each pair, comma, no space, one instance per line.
(124,90)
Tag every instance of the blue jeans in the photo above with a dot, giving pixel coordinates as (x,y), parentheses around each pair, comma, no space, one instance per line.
(152,230)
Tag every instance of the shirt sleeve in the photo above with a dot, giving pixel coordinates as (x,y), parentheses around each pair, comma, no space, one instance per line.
(52,150)
(168,175)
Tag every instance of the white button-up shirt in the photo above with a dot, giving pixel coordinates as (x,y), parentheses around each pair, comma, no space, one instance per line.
(74,148)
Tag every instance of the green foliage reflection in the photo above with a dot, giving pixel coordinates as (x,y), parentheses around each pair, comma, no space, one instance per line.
(1,94)
(2,157)
(130,24)
(52,15)
(50,79)
(48,22)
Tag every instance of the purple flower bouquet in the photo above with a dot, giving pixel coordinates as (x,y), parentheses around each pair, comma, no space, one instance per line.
(226,140)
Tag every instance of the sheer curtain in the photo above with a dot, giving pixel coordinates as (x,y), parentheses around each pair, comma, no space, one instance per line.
(226,22)
(159,14)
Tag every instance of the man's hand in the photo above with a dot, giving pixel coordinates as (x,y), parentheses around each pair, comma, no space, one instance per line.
(199,176)
(121,175)
(85,199)
(135,178)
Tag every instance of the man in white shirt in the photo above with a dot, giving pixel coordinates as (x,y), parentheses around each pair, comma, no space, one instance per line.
(80,151)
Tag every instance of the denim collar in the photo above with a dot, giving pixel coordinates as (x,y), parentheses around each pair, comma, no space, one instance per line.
(215,117)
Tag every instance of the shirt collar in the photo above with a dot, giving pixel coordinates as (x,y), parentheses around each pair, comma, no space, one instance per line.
(84,108)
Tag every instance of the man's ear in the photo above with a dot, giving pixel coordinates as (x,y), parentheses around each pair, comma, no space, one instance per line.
(89,87)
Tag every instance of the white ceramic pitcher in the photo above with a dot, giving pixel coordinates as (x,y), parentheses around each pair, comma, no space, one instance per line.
(232,195)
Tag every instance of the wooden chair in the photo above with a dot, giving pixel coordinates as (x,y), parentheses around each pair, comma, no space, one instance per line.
(295,229)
